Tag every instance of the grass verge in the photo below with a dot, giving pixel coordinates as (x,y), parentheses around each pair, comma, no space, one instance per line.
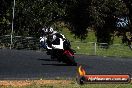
(113,50)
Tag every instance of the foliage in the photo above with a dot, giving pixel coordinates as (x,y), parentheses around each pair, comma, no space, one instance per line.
(78,18)
(104,14)
(79,15)
(5,16)
(32,15)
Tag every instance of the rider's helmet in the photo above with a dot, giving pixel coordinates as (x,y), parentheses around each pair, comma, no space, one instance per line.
(45,30)
(51,30)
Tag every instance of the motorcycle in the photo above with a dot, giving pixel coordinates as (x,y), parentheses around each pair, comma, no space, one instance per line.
(65,55)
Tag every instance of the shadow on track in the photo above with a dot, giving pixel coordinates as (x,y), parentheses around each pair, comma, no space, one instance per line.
(54,64)
(46,60)
(58,64)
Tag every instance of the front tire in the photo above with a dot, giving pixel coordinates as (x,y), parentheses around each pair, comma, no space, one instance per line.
(70,61)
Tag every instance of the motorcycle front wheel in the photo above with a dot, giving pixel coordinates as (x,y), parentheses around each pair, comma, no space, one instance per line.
(71,61)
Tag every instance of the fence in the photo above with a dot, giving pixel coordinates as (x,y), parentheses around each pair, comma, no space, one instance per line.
(102,49)
(19,42)
(89,48)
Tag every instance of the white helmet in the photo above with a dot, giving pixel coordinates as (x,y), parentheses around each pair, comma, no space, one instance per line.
(45,30)
(51,30)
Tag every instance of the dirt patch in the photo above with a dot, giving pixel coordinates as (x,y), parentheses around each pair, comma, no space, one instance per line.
(20,83)
(15,83)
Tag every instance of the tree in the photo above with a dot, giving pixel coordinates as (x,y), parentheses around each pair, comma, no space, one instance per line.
(129,7)
(78,17)
(32,15)
(5,16)
(100,14)
(103,14)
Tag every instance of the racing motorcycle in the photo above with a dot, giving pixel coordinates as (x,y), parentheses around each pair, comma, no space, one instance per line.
(65,55)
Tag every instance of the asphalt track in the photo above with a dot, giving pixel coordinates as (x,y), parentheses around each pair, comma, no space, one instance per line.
(22,64)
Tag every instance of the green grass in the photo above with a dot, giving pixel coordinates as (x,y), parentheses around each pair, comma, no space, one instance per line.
(90,36)
(115,50)
(87,47)
(83,48)
(79,86)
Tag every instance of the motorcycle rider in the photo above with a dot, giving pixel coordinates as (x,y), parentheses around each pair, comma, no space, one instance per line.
(56,43)
(43,39)
(51,39)
(55,39)
(59,44)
